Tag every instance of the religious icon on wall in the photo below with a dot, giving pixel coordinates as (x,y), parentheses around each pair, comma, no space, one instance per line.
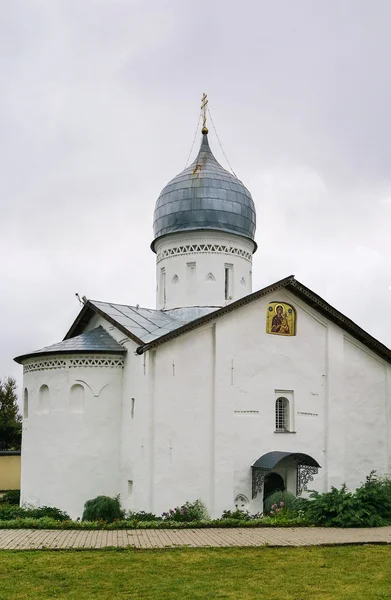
(280,319)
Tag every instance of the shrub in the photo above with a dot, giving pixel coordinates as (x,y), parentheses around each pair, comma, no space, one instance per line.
(9,512)
(281,502)
(239,515)
(375,495)
(142,516)
(368,506)
(11,497)
(190,511)
(103,508)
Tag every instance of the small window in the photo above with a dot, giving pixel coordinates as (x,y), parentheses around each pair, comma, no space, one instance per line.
(25,404)
(130,488)
(228,293)
(282,414)
(163,286)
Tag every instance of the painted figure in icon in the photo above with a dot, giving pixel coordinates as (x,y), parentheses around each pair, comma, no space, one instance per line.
(280,321)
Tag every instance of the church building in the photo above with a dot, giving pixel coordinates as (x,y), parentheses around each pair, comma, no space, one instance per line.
(220,392)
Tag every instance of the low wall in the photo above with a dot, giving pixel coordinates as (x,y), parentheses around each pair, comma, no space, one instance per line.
(10,470)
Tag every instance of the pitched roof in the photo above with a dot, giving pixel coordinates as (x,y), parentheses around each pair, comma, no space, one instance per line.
(150,328)
(96,340)
(142,325)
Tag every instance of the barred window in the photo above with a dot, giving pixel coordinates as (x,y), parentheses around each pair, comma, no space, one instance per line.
(282,414)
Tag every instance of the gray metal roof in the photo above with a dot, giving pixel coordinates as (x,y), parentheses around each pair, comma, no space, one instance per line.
(271,459)
(96,340)
(204,196)
(147,324)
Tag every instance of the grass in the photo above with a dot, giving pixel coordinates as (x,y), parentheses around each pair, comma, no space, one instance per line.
(350,572)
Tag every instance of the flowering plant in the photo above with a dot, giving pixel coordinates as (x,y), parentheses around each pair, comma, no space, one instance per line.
(276,508)
(190,511)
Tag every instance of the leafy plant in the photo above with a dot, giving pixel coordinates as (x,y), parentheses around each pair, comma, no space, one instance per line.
(368,506)
(10,497)
(103,508)
(281,502)
(190,511)
(240,515)
(8,512)
(142,516)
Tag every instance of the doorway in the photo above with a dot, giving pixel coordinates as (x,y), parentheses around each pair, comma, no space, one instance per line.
(273,483)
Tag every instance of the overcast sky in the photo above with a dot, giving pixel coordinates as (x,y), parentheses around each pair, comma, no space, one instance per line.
(98,107)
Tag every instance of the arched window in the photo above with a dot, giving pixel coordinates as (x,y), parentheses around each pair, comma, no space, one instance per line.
(43,399)
(282,414)
(76,399)
(25,403)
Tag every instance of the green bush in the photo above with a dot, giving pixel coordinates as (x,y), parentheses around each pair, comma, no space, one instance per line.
(239,515)
(47,523)
(368,506)
(281,502)
(190,511)
(103,508)
(8,512)
(10,497)
(142,516)
(375,495)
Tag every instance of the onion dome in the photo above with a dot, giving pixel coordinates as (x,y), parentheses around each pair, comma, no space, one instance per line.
(204,196)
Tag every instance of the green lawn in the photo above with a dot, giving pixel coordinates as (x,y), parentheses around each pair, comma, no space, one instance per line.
(337,573)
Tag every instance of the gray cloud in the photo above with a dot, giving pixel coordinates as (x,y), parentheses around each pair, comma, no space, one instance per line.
(98,109)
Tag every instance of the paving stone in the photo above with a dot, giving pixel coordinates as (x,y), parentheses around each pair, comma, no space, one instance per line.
(21,539)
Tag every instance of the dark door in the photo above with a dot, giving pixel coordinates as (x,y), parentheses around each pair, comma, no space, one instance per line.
(273,483)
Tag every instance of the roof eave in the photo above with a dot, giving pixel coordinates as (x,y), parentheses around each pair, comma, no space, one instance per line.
(299,290)
(246,237)
(334,315)
(21,359)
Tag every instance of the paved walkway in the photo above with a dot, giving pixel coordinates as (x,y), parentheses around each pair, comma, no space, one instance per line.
(22,539)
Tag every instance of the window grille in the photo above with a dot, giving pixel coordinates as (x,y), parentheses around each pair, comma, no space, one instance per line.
(282,414)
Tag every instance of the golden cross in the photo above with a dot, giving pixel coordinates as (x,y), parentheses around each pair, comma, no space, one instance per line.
(204,102)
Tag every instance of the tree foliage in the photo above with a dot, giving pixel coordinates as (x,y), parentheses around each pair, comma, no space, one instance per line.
(10,419)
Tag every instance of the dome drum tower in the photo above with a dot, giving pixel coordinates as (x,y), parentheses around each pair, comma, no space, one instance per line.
(204,226)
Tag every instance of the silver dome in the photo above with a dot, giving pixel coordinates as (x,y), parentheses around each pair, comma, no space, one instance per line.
(204,196)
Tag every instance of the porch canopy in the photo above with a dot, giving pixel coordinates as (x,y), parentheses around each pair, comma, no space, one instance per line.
(306,467)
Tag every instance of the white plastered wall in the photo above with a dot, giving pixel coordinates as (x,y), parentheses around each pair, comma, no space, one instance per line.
(189,418)
(196,277)
(69,457)
(215,416)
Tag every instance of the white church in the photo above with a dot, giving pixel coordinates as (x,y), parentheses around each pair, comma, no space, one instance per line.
(218,393)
